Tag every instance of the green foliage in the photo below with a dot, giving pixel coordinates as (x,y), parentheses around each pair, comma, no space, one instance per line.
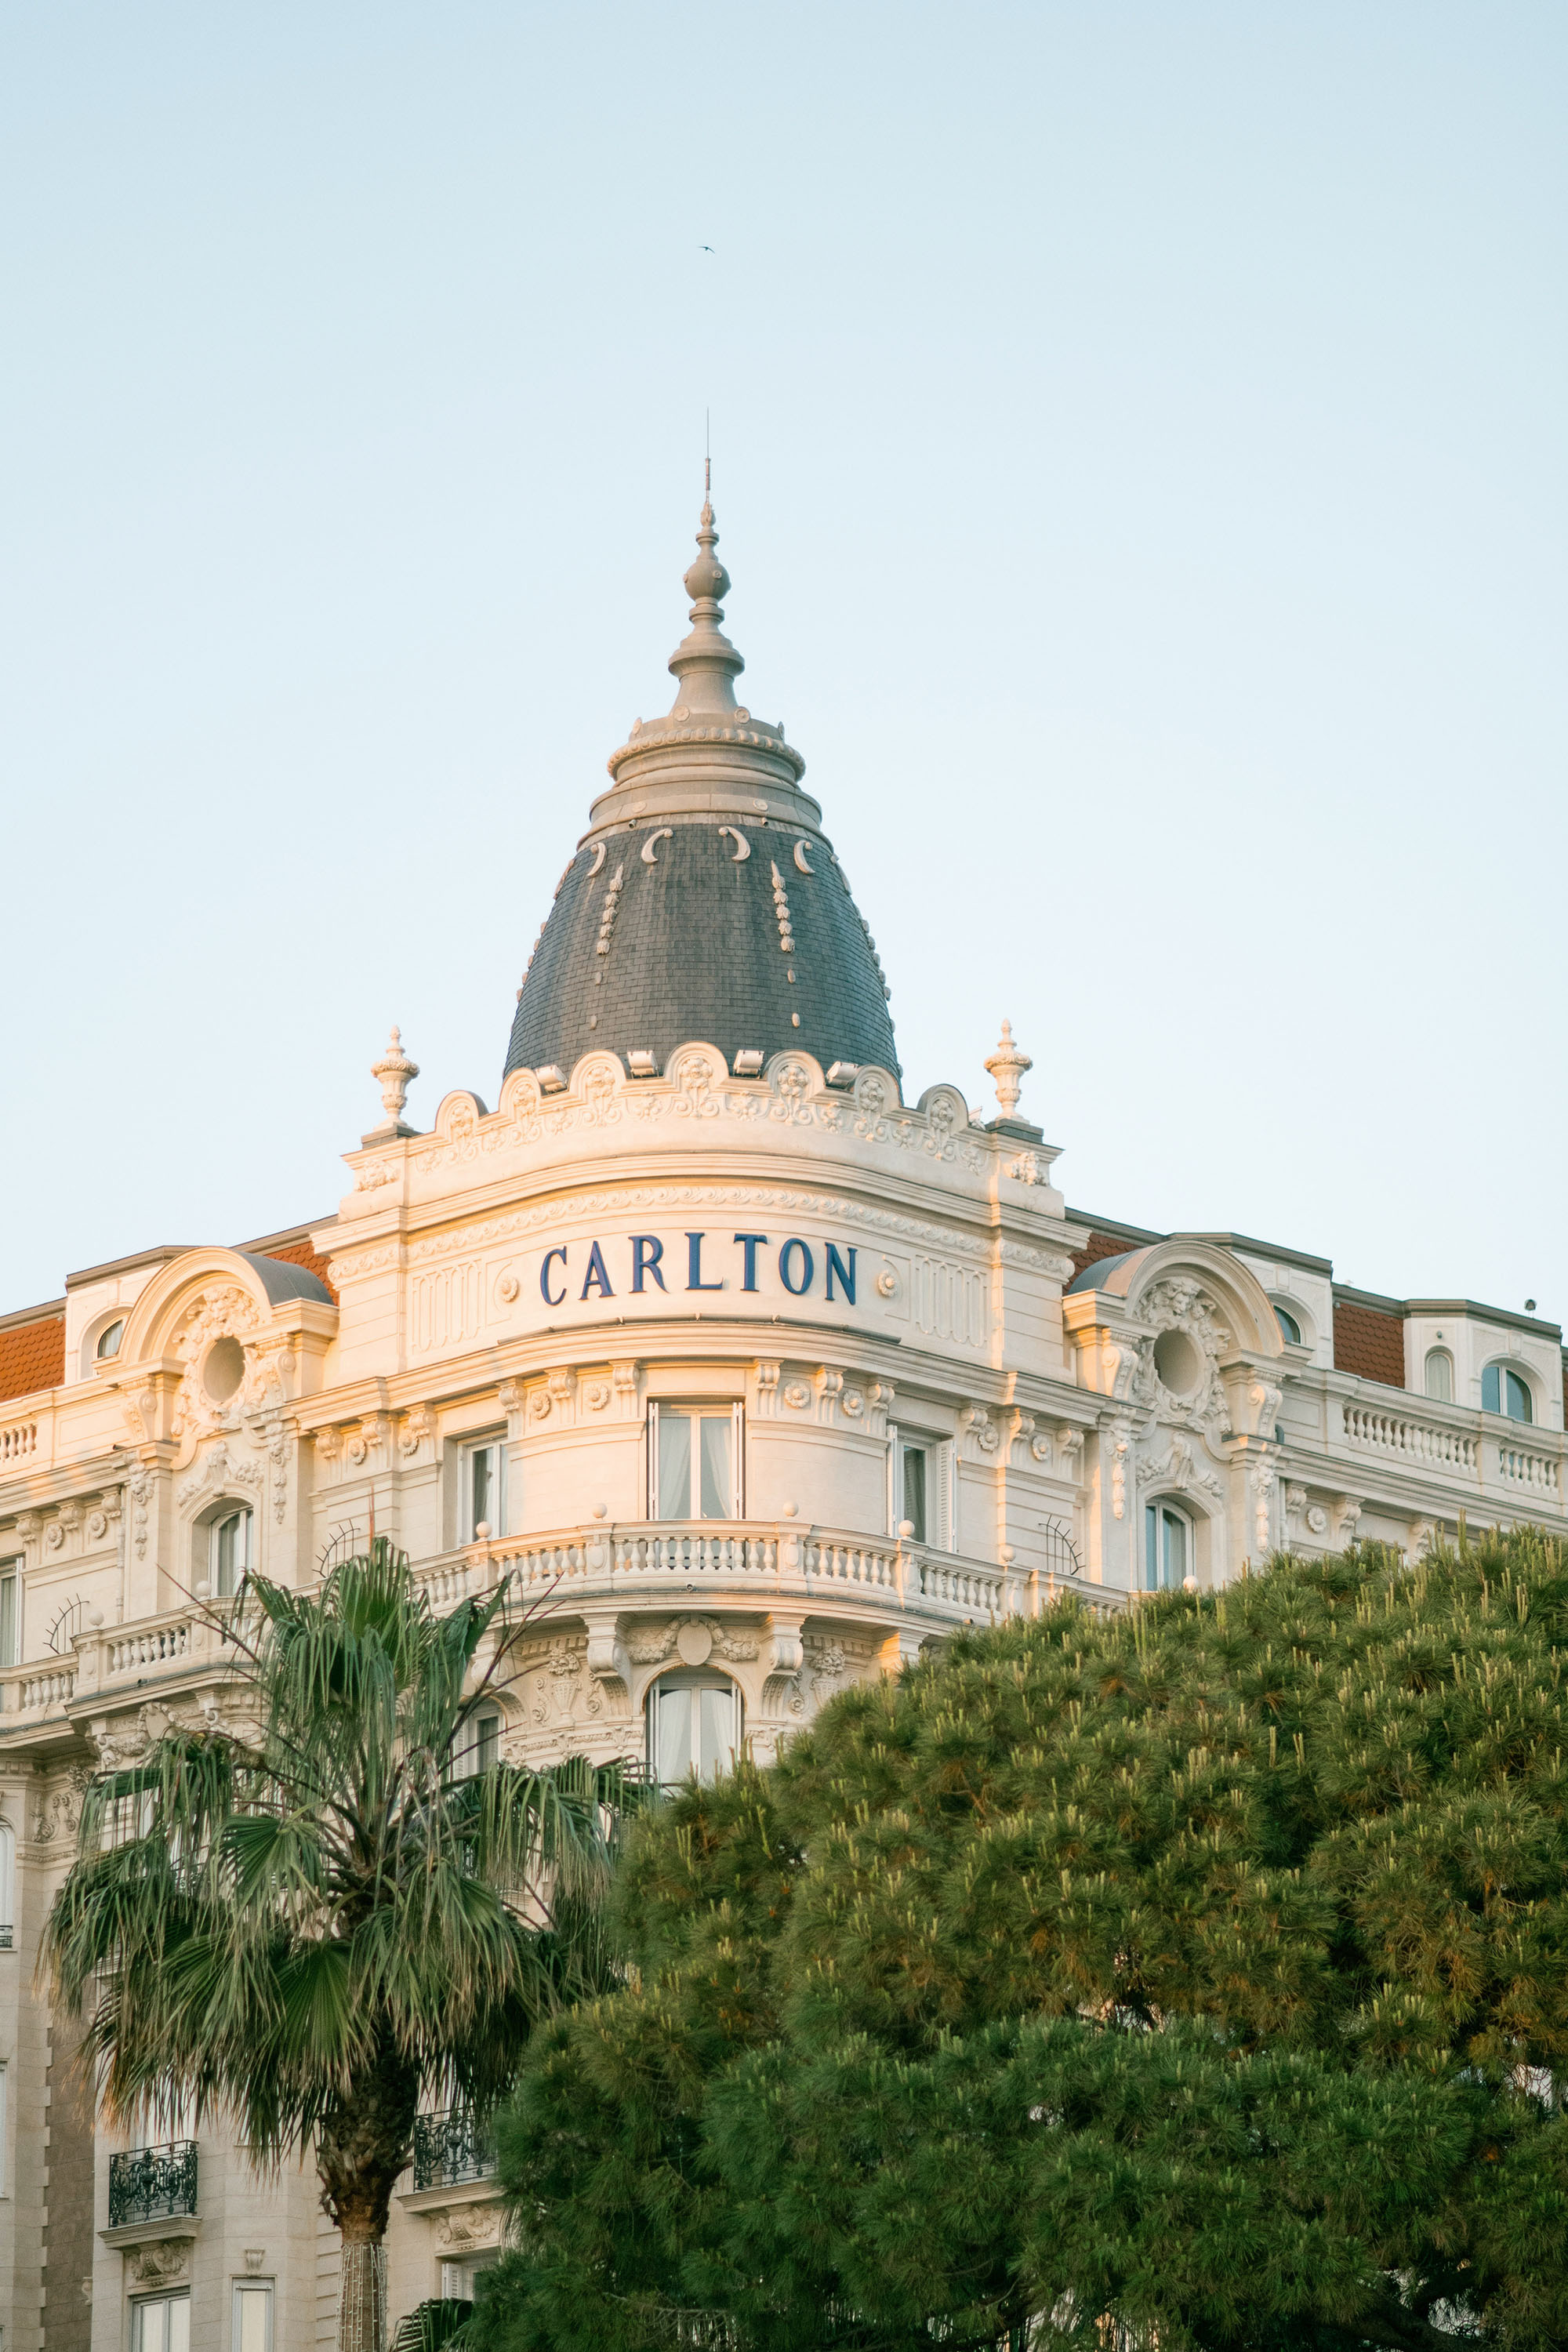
(438,2325)
(313,1922)
(1201,1975)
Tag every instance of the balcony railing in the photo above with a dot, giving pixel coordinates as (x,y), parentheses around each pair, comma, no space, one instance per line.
(153,2184)
(7,1939)
(449,2148)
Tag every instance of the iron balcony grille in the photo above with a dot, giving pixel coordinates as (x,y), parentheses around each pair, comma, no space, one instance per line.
(153,2184)
(450,2148)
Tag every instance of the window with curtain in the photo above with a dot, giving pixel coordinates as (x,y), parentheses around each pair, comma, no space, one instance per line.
(229,1553)
(1439,1376)
(1506,1391)
(252,2316)
(484,1488)
(694,1726)
(1168,1553)
(694,1461)
(161,2323)
(10,1612)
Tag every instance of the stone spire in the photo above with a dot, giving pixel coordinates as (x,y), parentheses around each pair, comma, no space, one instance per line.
(705,664)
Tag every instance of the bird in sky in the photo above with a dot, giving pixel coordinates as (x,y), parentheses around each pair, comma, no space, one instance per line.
(708,248)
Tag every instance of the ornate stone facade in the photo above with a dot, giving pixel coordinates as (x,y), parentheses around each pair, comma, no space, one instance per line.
(936,1397)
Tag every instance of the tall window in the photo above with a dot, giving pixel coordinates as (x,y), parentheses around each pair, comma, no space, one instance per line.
(1169,1554)
(161,2323)
(694,1461)
(1506,1391)
(253,2316)
(8,1888)
(1439,1376)
(915,1469)
(919,1487)
(476,1745)
(694,1726)
(484,1490)
(10,1612)
(230,1555)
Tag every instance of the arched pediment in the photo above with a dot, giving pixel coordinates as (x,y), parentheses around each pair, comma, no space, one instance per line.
(1166,1280)
(258,1289)
(235,1329)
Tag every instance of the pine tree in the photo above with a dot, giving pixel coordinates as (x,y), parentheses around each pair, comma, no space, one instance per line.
(1196,1978)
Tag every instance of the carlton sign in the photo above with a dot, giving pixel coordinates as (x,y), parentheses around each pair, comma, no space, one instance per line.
(641,1264)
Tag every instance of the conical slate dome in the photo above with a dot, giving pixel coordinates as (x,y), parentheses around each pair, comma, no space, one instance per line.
(705,901)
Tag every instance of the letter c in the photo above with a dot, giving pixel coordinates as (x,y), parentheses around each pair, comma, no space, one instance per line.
(545,1292)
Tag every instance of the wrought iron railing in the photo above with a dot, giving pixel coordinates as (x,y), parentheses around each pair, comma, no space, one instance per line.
(153,2184)
(451,2146)
(7,1939)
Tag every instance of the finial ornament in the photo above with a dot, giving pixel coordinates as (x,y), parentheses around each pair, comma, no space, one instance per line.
(705,662)
(1007,1066)
(395,1071)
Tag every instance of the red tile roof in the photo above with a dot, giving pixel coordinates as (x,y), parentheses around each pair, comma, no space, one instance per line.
(1368,1342)
(33,1355)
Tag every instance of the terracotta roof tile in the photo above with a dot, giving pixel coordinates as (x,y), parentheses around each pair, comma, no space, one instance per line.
(1370,1343)
(33,1355)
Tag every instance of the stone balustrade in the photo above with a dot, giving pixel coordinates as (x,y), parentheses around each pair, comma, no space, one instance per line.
(1523,1468)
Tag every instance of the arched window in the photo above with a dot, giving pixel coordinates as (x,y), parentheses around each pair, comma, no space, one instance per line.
(1287,1324)
(1506,1391)
(693,1726)
(109,1340)
(1169,1555)
(1440,1375)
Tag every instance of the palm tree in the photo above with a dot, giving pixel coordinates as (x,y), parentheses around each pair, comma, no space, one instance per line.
(316,1921)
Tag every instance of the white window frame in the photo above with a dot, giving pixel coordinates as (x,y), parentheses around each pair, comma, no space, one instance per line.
(263,2289)
(477,1746)
(941,1534)
(458,2277)
(1166,1507)
(697,1409)
(492,1445)
(1502,1367)
(144,2303)
(693,1679)
(1444,1356)
(12,1588)
(228,1510)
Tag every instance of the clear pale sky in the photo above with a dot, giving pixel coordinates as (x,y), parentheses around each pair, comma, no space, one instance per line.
(1139,449)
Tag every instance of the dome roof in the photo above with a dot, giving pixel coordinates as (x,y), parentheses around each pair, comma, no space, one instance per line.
(704,902)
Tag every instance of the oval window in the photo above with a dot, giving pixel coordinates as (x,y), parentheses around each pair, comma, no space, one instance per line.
(1178,1362)
(224,1369)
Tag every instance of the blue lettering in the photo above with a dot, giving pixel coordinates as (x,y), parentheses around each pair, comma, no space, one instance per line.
(545,1292)
(694,1266)
(809,1264)
(647,1252)
(846,1273)
(751,1243)
(598,1275)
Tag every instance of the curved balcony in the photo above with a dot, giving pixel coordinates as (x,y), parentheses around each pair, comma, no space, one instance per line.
(642,1562)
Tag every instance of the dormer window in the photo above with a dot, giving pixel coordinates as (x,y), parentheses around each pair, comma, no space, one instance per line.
(1506,1391)
(1439,1380)
(109,1340)
(1289,1327)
